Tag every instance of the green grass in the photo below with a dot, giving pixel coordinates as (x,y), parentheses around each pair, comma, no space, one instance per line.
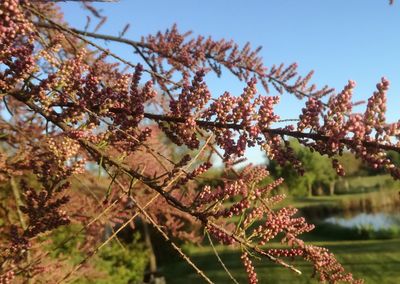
(369,181)
(374,261)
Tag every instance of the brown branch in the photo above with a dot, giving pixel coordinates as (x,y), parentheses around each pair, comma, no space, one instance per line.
(165,236)
(98,155)
(62,28)
(254,247)
(92,253)
(220,260)
(273,131)
(137,45)
(96,35)
(18,201)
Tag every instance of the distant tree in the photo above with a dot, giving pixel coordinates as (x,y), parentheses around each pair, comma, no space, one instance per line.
(352,165)
(318,172)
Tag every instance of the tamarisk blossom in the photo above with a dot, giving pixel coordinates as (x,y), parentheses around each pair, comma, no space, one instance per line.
(254,206)
(74,105)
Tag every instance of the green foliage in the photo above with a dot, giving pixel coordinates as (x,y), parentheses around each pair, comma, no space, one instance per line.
(364,184)
(122,264)
(351,164)
(319,175)
(114,263)
(59,247)
(213,177)
(376,261)
(318,171)
(394,157)
(368,232)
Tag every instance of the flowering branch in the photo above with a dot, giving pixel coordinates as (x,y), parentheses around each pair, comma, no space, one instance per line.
(250,64)
(72,105)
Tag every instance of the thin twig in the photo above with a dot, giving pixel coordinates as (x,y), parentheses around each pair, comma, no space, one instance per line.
(68,30)
(18,202)
(273,131)
(220,260)
(177,248)
(137,45)
(97,153)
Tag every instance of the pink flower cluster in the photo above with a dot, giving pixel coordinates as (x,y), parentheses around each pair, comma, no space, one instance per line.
(172,52)
(245,114)
(190,102)
(257,208)
(192,175)
(221,193)
(367,135)
(43,212)
(248,265)
(90,103)
(282,221)
(221,236)
(291,253)
(15,28)
(310,115)
(327,267)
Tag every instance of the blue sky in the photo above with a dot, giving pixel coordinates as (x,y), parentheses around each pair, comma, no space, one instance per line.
(338,39)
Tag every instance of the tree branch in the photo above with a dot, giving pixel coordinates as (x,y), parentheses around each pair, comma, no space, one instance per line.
(137,44)
(272,131)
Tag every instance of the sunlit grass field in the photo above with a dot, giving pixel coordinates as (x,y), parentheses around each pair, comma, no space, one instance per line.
(376,261)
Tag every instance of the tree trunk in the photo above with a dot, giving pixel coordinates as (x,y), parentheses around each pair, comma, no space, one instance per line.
(309,187)
(332,188)
(152,261)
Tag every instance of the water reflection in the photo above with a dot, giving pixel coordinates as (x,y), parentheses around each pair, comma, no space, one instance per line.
(376,221)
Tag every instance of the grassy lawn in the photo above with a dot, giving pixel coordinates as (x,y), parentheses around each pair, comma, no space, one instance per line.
(375,261)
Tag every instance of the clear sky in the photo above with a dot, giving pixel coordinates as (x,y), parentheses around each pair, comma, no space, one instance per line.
(338,39)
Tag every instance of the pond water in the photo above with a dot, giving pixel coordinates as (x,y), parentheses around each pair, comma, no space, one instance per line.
(377,221)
